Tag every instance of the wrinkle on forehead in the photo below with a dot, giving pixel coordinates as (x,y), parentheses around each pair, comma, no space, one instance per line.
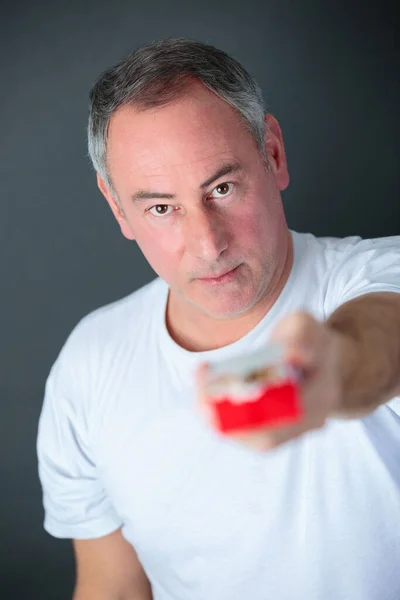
(190,138)
(204,166)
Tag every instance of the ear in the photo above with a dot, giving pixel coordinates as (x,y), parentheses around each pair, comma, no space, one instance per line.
(115,207)
(275,150)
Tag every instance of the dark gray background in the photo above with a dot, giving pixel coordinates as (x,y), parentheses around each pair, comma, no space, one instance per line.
(330,74)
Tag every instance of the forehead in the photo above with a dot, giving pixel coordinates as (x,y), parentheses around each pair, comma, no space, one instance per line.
(188,135)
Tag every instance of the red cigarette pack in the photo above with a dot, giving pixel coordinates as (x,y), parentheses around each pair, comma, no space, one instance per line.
(254,391)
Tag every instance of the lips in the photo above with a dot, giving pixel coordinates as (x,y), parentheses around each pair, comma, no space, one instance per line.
(216,276)
(213,276)
(223,277)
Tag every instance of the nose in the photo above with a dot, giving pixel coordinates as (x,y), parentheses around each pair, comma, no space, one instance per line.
(205,235)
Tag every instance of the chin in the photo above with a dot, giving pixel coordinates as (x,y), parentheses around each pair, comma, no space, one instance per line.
(225,308)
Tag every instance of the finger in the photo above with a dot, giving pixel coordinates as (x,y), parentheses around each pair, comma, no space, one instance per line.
(204,402)
(208,413)
(201,372)
(301,336)
(279,436)
(201,379)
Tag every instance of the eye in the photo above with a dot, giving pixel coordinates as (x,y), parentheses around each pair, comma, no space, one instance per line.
(159,210)
(223,189)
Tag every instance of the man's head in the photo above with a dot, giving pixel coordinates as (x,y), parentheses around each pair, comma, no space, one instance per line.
(193,169)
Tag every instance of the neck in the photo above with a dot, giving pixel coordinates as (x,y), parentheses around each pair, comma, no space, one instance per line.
(205,333)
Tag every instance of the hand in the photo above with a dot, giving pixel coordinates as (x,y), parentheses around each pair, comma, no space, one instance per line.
(314,349)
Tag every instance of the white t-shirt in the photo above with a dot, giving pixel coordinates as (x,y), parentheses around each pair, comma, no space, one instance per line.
(120,443)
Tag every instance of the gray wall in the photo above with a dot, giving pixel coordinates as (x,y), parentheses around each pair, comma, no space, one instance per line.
(330,75)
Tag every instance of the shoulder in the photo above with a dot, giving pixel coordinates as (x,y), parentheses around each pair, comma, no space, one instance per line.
(325,247)
(350,247)
(115,314)
(111,320)
(317,257)
(343,268)
(345,253)
(99,335)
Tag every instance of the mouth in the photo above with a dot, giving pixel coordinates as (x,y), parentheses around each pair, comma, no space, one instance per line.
(218,279)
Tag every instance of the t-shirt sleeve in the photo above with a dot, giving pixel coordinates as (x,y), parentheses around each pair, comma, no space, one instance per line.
(366,266)
(75,502)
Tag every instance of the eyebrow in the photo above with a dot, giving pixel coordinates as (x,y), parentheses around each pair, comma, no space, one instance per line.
(226,169)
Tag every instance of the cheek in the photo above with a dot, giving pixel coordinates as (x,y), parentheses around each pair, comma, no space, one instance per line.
(160,247)
(261,218)
(252,226)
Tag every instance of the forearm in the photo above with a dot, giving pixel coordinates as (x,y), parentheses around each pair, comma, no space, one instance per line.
(96,594)
(90,592)
(369,334)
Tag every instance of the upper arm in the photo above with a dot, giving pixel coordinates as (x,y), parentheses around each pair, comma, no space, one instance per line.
(367,266)
(76,503)
(108,568)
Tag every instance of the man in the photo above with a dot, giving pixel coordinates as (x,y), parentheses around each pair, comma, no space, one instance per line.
(160,505)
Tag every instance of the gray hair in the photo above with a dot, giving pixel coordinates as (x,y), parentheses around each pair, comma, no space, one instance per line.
(156,74)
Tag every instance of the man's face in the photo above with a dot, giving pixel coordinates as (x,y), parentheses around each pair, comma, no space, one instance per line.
(199,200)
